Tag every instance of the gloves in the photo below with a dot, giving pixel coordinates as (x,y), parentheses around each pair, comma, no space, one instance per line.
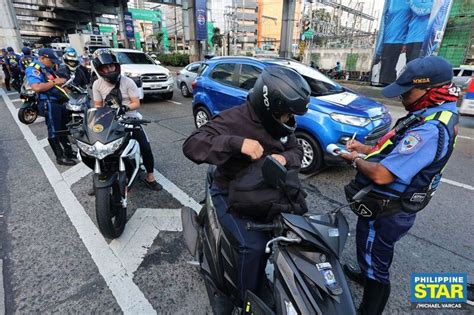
(123,109)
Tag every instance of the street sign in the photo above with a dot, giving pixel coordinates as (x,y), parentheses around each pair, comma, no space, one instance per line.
(146,15)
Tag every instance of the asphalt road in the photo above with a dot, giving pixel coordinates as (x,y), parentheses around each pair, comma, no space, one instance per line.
(56,261)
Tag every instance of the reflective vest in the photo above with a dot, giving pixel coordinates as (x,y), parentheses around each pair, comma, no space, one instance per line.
(26,61)
(56,93)
(423,185)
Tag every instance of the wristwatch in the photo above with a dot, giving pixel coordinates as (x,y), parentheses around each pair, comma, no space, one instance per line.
(354,162)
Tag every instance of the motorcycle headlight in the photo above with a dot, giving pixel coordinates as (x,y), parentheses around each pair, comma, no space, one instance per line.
(350,120)
(99,150)
(73,107)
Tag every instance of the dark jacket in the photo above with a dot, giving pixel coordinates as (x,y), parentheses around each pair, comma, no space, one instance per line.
(81,76)
(219,142)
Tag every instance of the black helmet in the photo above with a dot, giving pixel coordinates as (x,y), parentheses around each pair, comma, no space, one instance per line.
(103,58)
(279,90)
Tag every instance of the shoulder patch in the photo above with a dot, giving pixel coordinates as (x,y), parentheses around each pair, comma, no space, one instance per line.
(410,143)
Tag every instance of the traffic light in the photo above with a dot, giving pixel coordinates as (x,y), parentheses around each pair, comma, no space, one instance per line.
(306,26)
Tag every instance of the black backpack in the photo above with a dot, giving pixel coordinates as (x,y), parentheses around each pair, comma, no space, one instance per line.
(250,196)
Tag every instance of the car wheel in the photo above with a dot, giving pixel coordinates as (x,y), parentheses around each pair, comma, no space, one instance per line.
(184,90)
(201,116)
(167,96)
(312,154)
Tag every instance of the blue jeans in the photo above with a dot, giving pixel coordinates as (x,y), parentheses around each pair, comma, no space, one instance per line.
(55,114)
(376,241)
(251,259)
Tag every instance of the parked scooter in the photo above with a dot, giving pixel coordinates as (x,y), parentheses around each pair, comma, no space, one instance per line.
(303,271)
(105,143)
(78,103)
(28,111)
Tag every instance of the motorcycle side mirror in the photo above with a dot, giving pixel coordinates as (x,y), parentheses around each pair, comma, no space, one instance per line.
(274,174)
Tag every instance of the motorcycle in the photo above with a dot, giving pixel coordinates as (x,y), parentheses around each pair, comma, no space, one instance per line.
(303,272)
(28,111)
(104,140)
(78,102)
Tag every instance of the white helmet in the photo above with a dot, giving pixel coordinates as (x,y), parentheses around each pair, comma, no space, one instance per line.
(70,59)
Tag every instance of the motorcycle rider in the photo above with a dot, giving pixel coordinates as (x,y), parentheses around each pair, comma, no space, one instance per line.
(72,66)
(402,171)
(47,85)
(127,97)
(268,116)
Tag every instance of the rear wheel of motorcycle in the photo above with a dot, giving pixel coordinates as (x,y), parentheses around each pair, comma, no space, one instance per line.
(111,216)
(27,115)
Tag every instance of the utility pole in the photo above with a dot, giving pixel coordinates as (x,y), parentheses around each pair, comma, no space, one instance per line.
(175,31)
(288,20)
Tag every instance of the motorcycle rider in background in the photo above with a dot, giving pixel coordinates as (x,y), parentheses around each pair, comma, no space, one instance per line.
(71,67)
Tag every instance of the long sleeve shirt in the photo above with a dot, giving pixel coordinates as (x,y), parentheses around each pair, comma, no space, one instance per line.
(219,142)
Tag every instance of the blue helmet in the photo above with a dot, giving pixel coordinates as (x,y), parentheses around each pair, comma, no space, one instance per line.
(26,51)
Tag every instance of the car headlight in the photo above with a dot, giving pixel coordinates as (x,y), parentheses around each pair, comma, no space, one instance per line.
(350,120)
(99,150)
(131,74)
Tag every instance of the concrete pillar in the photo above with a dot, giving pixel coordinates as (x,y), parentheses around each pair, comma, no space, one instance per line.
(9,30)
(121,24)
(288,20)
(189,14)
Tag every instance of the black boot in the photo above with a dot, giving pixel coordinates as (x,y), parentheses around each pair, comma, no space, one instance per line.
(375,297)
(354,274)
(67,148)
(58,152)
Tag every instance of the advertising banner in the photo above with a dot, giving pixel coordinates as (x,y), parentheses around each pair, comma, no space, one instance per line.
(128,20)
(201,19)
(408,29)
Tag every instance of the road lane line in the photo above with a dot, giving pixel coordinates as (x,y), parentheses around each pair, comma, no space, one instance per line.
(177,193)
(173,102)
(11,93)
(465,137)
(43,142)
(2,290)
(129,297)
(452,182)
(38,120)
(15,99)
(142,229)
(76,173)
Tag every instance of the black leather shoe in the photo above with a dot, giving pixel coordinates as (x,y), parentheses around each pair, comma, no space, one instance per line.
(354,274)
(65,161)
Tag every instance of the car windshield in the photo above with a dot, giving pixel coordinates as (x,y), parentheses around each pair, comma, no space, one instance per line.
(93,48)
(134,58)
(319,83)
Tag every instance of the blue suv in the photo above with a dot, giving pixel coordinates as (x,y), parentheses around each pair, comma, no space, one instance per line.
(335,113)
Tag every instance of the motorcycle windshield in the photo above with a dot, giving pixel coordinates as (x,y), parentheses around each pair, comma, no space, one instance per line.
(102,126)
(77,98)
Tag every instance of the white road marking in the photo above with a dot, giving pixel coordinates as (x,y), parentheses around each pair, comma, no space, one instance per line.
(43,142)
(173,102)
(177,193)
(11,93)
(75,173)
(15,99)
(129,297)
(141,230)
(2,290)
(38,120)
(452,182)
(465,137)
(470,302)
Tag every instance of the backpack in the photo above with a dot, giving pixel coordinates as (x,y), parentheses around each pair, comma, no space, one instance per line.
(250,196)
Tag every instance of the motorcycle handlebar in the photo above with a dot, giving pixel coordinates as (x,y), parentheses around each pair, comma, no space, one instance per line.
(250,226)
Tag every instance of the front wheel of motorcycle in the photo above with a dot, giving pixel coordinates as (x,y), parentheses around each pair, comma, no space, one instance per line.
(27,115)
(111,215)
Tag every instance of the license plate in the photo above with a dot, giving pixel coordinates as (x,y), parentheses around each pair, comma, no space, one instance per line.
(155,86)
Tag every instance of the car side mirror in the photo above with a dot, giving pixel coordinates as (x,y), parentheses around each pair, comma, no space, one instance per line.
(274,174)
(157,62)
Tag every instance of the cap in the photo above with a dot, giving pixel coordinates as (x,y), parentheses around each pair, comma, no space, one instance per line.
(420,73)
(48,52)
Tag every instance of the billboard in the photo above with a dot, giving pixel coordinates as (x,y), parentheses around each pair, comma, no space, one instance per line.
(128,20)
(408,29)
(201,20)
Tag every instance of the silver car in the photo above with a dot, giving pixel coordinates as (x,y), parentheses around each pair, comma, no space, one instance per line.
(185,78)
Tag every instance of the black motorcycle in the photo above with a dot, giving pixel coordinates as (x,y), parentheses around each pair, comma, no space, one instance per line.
(304,274)
(105,143)
(28,111)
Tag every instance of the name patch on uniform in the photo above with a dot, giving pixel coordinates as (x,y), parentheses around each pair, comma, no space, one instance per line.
(409,143)
(36,73)
(421,81)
